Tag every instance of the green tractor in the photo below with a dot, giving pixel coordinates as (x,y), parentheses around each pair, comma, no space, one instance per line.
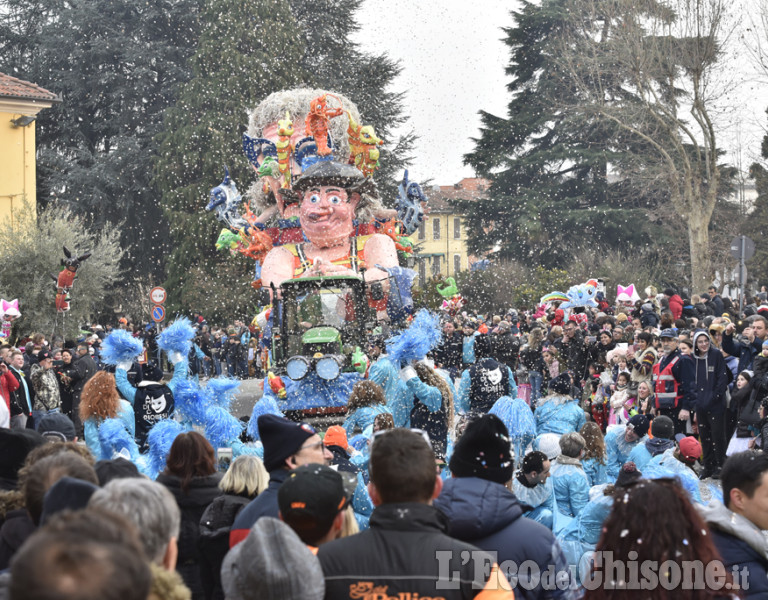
(321,323)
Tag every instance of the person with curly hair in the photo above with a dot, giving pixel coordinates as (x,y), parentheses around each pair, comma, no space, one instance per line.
(98,402)
(593,460)
(652,524)
(366,401)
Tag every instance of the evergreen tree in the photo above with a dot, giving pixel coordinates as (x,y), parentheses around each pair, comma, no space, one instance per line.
(247,50)
(548,162)
(117,65)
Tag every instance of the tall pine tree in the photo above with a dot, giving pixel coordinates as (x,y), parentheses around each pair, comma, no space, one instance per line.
(247,50)
(549,164)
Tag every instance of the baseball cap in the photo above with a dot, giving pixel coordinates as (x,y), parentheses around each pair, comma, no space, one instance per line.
(56,427)
(668,333)
(690,447)
(310,499)
(44,355)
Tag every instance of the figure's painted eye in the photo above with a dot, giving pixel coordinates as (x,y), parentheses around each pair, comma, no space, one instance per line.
(314,199)
(334,199)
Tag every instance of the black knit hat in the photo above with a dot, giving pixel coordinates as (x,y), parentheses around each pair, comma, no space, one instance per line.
(483,451)
(281,438)
(561,385)
(628,474)
(662,427)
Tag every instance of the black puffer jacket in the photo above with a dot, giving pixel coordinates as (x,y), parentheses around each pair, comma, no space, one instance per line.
(213,544)
(201,492)
(404,554)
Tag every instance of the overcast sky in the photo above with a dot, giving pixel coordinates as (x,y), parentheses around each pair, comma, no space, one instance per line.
(453,63)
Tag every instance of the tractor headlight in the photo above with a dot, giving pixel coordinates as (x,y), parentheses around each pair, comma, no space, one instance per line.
(297,367)
(328,367)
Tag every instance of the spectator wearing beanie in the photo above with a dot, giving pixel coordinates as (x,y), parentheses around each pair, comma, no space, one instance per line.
(663,432)
(287,446)
(621,440)
(482,510)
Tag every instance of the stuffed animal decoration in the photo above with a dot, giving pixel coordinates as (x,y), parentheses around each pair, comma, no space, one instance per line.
(66,278)
(9,312)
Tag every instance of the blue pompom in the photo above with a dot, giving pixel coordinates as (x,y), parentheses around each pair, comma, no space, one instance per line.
(120,346)
(177,337)
(160,440)
(422,335)
(115,440)
(190,401)
(221,390)
(221,427)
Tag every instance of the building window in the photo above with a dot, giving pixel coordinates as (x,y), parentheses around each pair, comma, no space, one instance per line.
(436,228)
(423,271)
(435,265)
(457,228)
(456,263)
(422,231)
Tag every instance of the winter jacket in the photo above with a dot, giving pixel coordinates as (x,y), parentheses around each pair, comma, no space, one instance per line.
(710,381)
(450,352)
(214,540)
(17,528)
(643,453)
(86,368)
(518,418)
(676,306)
(740,544)
(595,471)
(745,351)
(91,426)
(167,585)
(617,450)
(573,355)
(745,408)
(570,484)
(505,347)
(559,415)
(489,516)
(387,374)
(763,433)
(264,505)
(21,398)
(403,554)
(201,492)
(463,402)
(46,387)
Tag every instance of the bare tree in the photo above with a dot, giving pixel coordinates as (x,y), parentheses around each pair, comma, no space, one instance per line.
(667,53)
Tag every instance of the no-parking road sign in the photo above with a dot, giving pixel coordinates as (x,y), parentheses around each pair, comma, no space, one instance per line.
(158,313)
